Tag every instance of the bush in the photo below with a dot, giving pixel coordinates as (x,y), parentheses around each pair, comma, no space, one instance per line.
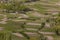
(14,7)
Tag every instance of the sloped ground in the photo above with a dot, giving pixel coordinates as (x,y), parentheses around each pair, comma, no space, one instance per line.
(42,10)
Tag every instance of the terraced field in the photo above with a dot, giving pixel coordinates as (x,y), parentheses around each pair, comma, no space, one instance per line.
(30,20)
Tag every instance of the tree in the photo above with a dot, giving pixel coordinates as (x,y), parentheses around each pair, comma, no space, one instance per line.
(57,29)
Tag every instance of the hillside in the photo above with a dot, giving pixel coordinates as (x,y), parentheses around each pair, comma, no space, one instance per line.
(29,19)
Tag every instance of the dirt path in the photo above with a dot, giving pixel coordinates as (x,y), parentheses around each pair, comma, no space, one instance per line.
(1,28)
(50,37)
(40,32)
(18,34)
(33,34)
(47,32)
(33,24)
(4,19)
(31,29)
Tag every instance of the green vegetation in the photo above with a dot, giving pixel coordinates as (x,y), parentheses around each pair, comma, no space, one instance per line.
(33,19)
